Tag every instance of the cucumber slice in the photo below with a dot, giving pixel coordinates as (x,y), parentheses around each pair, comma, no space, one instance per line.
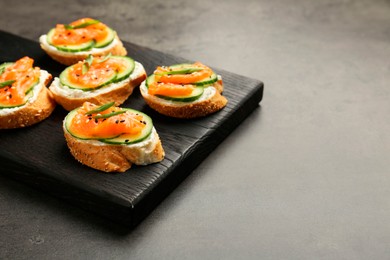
(121,139)
(4,65)
(70,48)
(64,79)
(68,120)
(149,80)
(76,48)
(196,93)
(27,97)
(209,81)
(36,82)
(132,139)
(130,65)
(107,40)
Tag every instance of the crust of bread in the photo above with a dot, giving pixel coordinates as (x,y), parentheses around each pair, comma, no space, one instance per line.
(119,95)
(32,113)
(112,158)
(193,109)
(67,59)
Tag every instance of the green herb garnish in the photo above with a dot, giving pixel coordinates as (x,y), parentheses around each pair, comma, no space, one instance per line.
(87,64)
(181,71)
(110,114)
(6,83)
(82,25)
(105,58)
(100,109)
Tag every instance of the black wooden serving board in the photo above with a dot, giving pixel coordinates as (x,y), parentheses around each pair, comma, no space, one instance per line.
(38,155)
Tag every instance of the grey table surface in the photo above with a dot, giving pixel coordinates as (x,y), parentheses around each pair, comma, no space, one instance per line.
(306,176)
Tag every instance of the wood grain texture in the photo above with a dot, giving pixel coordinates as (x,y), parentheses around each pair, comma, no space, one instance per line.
(38,155)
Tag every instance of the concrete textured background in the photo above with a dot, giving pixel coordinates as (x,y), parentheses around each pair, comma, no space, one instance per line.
(306,176)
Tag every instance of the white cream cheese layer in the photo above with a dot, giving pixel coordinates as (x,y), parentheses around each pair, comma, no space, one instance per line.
(47,46)
(42,79)
(208,92)
(61,90)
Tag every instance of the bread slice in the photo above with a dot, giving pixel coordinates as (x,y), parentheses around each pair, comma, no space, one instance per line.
(115,158)
(210,102)
(69,58)
(118,92)
(38,108)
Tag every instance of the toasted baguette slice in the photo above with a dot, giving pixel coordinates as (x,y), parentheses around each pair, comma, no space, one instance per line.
(118,92)
(69,58)
(210,102)
(115,158)
(38,108)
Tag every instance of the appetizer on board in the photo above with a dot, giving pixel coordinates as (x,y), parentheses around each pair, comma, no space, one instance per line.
(184,90)
(24,97)
(70,43)
(110,138)
(98,80)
